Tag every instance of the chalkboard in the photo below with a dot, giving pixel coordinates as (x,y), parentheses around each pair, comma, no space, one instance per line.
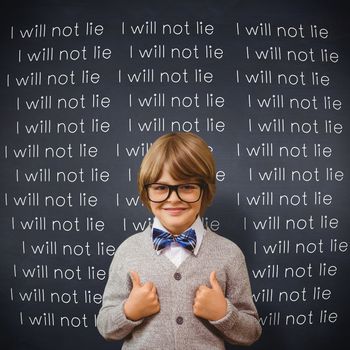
(87,86)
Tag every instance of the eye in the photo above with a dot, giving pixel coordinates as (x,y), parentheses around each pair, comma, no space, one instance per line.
(188,187)
(159,187)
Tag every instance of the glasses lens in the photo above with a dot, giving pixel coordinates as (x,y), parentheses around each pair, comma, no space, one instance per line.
(157,192)
(187,192)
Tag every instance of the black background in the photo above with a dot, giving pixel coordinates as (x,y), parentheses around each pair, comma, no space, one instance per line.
(223,15)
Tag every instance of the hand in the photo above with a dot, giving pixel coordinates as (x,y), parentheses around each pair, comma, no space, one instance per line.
(143,299)
(210,303)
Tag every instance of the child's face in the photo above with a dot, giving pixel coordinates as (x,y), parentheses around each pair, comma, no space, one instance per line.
(174,214)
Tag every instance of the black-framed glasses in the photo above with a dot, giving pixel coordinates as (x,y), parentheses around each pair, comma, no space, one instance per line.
(189,193)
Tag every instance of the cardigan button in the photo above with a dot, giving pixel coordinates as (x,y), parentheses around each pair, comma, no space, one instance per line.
(179,320)
(177,276)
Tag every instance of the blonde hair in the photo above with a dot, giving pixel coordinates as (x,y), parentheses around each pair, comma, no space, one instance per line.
(186,155)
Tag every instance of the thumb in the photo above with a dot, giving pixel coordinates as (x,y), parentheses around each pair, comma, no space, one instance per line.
(213,281)
(135,278)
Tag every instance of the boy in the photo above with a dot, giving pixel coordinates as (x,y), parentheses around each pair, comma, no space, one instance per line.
(178,285)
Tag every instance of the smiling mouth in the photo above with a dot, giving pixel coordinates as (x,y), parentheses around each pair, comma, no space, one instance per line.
(174,210)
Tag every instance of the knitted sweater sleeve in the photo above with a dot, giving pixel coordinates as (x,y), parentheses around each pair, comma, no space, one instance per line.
(111,321)
(240,325)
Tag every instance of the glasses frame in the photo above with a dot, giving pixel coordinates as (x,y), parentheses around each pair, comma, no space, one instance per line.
(172,188)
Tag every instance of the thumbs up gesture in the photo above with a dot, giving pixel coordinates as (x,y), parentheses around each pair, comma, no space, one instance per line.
(143,299)
(210,303)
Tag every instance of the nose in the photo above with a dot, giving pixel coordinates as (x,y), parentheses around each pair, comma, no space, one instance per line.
(173,196)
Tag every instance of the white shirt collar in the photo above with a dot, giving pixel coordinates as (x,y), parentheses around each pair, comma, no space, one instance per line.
(197,226)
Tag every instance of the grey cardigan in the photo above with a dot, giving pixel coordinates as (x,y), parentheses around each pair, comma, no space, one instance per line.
(175,326)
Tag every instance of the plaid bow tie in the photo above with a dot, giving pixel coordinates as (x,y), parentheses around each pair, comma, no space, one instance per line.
(162,239)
